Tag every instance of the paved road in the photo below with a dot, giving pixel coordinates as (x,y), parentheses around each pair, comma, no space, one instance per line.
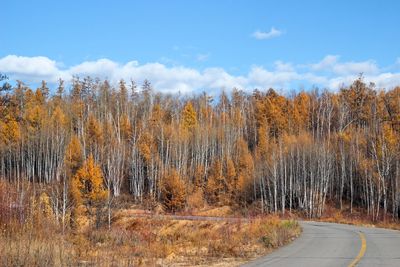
(330,244)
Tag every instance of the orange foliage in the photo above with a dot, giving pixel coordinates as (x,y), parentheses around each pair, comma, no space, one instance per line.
(87,184)
(73,156)
(189,116)
(10,132)
(217,188)
(173,192)
(126,127)
(94,131)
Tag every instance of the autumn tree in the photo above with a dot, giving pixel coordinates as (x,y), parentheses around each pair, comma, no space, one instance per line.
(217,188)
(94,136)
(87,191)
(359,99)
(73,156)
(267,150)
(44,90)
(189,117)
(245,169)
(301,113)
(173,192)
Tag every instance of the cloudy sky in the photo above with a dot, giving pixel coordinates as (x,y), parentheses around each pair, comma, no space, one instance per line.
(189,46)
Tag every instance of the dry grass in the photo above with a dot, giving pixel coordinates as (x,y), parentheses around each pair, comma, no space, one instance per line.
(182,243)
(34,245)
(224,211)
(29,236)
(147,242)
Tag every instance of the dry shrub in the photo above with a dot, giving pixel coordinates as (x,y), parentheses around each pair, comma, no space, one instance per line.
(15,204)
(226,239)
(33,246)
(33,238)
(272,232)
(173,192)
(150,203)
(195,200)
(224,211)
(29,235)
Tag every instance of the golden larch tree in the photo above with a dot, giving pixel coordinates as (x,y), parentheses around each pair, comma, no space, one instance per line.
(189,116)
(216,188)
(87,190)
(73,156)
(173,192)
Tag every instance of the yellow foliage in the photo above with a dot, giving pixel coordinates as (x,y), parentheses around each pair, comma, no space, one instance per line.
(198,178)
(94,131)
(263,142)
(358,98)
(45,205)
(58,118)
(87,184)
(238,118)
(73,156)
(304,139)
(243,189)
(289,140)
(300,111)
(245,171)
(39,96)
(345,136)
(10,132)
(389,137)
(216,188)
(173,192)
(35,116)
(126,128)
(156,116)
(245,162)
(230,170)
(189,116)
(77,108)
(196,200)
(145,143)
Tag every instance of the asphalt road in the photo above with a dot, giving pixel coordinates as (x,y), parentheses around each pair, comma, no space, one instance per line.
(330,244)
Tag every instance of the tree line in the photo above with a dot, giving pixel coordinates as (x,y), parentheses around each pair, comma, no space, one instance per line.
(276,152)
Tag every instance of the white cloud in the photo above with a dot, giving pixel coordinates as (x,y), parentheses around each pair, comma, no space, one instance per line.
(385,80)
(326,63)
(31,68)
(102,67)
(260,35)
(283,66)
(202,57)
(331,63)
(218,78)
(262,78)
(351,68)
(329,72)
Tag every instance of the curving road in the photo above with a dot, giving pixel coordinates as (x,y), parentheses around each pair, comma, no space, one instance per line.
(330,244)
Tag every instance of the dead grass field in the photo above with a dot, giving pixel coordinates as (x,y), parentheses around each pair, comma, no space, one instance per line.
(145,241)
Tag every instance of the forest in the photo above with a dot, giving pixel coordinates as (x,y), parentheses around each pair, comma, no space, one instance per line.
(84,145)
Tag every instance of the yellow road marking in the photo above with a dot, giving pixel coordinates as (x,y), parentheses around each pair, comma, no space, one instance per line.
(362,250)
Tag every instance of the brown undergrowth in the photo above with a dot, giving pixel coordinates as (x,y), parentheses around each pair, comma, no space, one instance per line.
(182,242)
(147,242)
(143,241)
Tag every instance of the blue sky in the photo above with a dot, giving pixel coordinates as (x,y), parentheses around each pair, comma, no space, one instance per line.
(195,45)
